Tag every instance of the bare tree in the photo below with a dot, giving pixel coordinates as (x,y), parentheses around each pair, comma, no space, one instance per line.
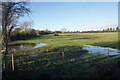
(63,30)
(11,11)
(26,25)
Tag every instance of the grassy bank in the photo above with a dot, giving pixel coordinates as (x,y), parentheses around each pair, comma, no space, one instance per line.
(46,62)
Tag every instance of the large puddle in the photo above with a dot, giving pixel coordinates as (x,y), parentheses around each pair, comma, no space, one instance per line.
(25,46)
(101,50)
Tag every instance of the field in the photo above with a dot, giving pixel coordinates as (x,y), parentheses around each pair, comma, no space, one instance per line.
(77,39)
(76,63)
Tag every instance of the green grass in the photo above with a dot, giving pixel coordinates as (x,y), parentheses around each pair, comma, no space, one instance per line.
(77,63)
(77,39)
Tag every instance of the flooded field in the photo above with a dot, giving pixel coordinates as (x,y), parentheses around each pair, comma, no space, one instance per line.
(26,46)
(101,50)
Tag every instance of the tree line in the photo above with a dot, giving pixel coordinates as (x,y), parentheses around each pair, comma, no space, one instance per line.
(116,29)
(104,30)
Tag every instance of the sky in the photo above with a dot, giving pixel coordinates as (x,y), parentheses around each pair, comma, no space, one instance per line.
(74,16)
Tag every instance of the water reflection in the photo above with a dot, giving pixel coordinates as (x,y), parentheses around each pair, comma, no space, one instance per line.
(25,46)
(101,50)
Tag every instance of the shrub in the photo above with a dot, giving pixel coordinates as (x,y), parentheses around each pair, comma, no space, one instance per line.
(56,34)
(23,35)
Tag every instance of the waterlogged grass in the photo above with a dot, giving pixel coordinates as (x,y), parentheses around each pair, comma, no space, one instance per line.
(46,62)
(77,39)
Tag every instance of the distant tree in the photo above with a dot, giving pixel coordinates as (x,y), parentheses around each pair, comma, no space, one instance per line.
(77,31)
(111,30)
(57,32)
(117,28)
(63,30)
(108,29)
(26,25)
(103,30)
(68,31)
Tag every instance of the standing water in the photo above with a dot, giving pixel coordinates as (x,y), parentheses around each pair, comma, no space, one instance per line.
(26,46)
(101,50)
